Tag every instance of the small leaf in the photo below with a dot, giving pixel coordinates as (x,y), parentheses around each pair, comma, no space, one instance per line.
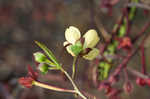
(104,69)
(48,52)
(122,31)
(52,68)
(50,63)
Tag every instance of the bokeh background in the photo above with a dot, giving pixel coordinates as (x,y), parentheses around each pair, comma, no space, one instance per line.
(23,21)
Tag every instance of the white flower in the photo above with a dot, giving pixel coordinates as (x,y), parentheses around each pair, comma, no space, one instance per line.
(75,47)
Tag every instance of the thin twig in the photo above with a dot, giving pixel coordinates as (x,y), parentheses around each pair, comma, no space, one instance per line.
(127,59)
(145,27)
(36,83)
(143,58)
(137,73)
(139,5)
(74,85)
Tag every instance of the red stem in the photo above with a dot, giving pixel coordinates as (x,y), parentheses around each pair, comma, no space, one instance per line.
(126,60)
(143,59)
(126,75)
(146,26)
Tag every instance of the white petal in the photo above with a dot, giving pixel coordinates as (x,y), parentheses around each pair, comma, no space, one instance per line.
(69,50)
(92,54)
(91,39)
(72,34)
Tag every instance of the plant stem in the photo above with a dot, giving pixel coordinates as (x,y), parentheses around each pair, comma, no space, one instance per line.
(74,67)
(74,85)
(137,73)
(36,83)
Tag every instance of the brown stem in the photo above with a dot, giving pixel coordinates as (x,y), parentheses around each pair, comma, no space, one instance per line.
(127,59)
(137,73)
(145,27)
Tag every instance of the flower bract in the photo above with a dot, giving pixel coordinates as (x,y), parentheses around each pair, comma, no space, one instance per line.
(75,47)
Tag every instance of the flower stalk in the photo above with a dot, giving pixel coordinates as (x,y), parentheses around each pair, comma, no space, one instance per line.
(42,85)
(74,67)
(73,84)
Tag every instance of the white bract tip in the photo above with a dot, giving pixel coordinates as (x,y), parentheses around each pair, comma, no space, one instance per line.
(72,34)
(92,54)
(91,39)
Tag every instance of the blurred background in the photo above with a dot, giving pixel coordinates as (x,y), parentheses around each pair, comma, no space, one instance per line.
(23,21)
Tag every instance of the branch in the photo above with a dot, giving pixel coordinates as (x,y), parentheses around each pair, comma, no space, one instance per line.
(139,5)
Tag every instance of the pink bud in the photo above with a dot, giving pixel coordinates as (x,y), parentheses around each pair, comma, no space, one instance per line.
(148,81)
(128,87)
(140,81)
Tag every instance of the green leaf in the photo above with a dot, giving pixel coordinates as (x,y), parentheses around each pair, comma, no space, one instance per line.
(132,10)
(50,63)
(48,53)
(122,31)
(53,68)
(104,69)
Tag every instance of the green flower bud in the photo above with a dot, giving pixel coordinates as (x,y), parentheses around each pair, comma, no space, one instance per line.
(43,68)
(39,57)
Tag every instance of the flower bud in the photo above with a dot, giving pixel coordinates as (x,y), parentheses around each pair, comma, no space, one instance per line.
(128,87)
(91,39)
(26,81)
(140,81)
(72,34)
(43,68)
(148,81)
(39,57)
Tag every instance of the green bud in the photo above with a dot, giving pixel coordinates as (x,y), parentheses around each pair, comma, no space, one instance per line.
(39,57)
(43,68)
(111,48)
(122,31)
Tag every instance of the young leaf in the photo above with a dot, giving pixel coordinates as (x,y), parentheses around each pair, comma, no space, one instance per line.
(48,52)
